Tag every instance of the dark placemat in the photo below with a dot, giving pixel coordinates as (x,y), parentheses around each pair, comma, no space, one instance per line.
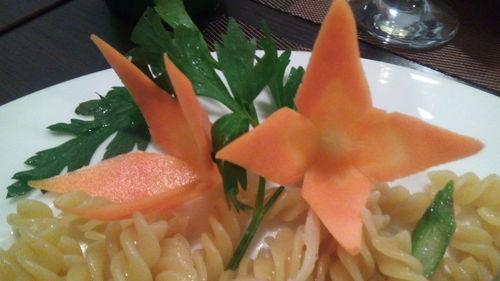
(213,31)
(473,55)
(14,13)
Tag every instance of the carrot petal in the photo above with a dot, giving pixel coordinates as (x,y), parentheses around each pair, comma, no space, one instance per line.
(334,91)
(280,149)
(390,146)
(337,198)
(125,178)
(196,117)
(115,211)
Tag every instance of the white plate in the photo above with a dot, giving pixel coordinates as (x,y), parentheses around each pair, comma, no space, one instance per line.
(439,101)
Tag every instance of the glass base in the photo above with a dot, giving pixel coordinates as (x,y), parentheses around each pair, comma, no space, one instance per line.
(406,23)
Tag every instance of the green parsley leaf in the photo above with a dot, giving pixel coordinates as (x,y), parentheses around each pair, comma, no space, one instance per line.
(226,129)
(152,38)
(236,57)
(196,63)
(233,176)
(174,13)
(114,113)
(150,31)
(284,93)
(269,61)
(292,85)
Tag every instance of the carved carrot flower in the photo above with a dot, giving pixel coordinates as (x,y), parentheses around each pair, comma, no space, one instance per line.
(141,181)
(337,142)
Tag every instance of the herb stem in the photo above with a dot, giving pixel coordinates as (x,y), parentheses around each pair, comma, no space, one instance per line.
(254,122)
(253,114)
(260,211)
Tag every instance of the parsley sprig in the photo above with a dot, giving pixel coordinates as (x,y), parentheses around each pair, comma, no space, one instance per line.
(116,113)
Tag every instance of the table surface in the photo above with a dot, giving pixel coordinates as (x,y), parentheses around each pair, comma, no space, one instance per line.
(45,42)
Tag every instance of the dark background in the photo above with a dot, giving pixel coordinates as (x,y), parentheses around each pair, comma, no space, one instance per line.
(45,42)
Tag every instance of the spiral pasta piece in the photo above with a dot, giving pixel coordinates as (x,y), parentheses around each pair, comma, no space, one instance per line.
(289,206)
(404,208)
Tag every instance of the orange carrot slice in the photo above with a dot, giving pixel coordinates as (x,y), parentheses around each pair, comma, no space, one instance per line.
(286,140)
(334,91)
(390,146)
(125,178)
(170,199)
(337,197)
(196,118)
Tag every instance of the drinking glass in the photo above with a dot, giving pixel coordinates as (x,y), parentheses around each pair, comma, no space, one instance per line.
(406,23)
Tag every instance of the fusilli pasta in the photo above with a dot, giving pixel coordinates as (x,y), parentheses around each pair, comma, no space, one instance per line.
(294,246)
